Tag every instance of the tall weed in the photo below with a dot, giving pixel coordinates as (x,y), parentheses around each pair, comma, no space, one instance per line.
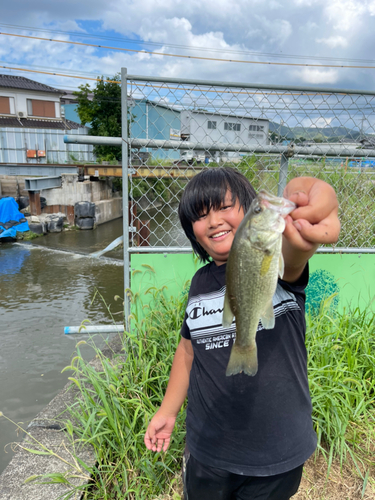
(341,367)
(119,396)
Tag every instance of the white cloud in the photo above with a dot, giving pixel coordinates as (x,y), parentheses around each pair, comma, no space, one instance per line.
(271,30)
(334,41)
(345,14)
(247,30)
(320,122)
(318,76)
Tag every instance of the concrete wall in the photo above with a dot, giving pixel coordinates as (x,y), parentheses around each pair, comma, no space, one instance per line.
(72,191)
(13,185)
(108,205)
(107,210)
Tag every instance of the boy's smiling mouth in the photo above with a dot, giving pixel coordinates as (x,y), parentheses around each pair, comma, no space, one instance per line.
(217,235)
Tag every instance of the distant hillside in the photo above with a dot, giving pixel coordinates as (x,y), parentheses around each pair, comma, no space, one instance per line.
(281,130)
(326,132)
(310,133)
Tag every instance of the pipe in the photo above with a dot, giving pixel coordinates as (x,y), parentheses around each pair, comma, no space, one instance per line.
(70,330)
(187,145)
(115,243)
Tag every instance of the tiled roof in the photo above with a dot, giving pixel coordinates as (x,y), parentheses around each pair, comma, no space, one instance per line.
(20,82)
(35,123)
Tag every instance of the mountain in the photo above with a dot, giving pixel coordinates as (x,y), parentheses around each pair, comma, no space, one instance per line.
(324,134)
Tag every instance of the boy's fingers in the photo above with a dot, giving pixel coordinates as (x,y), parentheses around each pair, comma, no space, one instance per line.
(294,236)
(324,233)
(314,198)
(300,198)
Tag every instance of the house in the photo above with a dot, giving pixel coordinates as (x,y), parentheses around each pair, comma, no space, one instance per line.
(200,126)
(29,102)
(32,124)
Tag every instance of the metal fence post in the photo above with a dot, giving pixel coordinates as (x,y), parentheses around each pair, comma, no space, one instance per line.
(283,174)
(125,195)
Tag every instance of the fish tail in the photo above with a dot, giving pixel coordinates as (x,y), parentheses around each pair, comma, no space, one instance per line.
(243,359)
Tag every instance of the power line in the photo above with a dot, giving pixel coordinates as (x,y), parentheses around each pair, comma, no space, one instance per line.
(189,47)
(305,65)
(62,74)
(165,86)
(265,94)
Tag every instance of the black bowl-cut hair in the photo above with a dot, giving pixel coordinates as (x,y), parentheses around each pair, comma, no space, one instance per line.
(207,190)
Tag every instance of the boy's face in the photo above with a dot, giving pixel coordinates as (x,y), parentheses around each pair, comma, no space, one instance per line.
(215,230)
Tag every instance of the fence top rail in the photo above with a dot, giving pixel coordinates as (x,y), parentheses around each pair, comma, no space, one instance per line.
(262,86)
(317,150)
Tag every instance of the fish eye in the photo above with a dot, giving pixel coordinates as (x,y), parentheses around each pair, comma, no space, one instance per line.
(257,209)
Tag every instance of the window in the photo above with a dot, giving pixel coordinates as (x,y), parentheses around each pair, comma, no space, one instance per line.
(211,125)
(232,126)
(41,108)
(256,128)
(4,105)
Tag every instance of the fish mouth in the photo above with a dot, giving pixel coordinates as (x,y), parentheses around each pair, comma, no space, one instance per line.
(218,235)
(282,206)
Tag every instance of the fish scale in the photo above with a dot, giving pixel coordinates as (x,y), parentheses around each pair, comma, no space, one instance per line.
(254,264)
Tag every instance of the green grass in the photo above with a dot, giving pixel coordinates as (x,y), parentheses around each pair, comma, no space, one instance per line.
(341,371)
(29,235)
(355,189)
(118,400)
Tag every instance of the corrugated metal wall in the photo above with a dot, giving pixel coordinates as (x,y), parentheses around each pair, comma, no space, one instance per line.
(152,121)
(14,143)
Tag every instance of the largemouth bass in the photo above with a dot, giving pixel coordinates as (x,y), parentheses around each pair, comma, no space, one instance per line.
(254,264)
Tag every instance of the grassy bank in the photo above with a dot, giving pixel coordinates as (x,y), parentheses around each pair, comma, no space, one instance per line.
(118,401)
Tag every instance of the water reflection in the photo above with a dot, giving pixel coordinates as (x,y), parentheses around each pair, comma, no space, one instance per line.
(41,293)
(11,263)
(48,284)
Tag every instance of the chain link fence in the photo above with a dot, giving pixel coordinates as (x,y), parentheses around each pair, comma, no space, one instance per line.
(176,128)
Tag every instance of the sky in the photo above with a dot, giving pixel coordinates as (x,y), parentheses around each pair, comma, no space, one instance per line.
(308,37)
(303,43)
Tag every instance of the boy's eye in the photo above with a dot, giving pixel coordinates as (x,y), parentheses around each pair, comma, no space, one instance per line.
(225,207)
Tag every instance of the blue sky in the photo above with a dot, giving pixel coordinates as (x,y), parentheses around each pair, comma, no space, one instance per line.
(318,33)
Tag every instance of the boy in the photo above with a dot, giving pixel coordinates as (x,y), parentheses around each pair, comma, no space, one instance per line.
(247,437)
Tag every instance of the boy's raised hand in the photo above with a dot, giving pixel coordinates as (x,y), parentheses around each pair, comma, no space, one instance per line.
(315,220)
(158,434)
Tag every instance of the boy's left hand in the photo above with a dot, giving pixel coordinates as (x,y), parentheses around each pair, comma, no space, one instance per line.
(315,220)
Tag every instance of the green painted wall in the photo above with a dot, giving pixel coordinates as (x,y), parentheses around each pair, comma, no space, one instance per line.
(350,276)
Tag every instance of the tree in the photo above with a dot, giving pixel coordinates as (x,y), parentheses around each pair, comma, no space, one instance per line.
(102,113)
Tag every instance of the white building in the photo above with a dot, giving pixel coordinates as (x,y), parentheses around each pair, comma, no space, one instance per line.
(24,98)
(210,128)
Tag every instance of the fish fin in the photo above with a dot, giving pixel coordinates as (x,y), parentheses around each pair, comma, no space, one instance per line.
(281,266)
(227,312)
(243,359)
(268,317)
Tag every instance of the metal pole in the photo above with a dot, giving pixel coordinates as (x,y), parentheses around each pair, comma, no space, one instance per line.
(311,151)
(283,174)
(125,195)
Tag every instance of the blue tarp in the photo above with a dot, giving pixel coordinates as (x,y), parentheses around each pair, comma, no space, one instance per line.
(11,219)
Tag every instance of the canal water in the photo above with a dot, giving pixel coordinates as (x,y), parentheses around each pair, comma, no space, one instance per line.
(45,285)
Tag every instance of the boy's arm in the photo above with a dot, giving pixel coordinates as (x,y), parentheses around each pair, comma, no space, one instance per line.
(314,222)
(159,430)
